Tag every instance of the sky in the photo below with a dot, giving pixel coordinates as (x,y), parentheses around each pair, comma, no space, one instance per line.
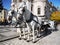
(55,2)
(6,3)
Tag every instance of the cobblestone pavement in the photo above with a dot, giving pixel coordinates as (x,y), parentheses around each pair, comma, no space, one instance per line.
(7,33)
(52,39)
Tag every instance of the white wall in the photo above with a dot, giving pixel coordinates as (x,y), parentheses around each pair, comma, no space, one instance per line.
(40,5)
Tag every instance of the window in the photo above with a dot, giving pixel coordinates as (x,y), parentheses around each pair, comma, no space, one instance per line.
(45,9)
(38,10)
(14,0)
(20,0)
(51,9)
(31,7)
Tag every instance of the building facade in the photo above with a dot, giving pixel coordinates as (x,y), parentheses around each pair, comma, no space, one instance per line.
(41,8)
(49,9)
(3,15)
(3,12)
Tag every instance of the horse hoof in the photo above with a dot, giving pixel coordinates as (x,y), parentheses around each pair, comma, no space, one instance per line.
(34,41)
(19,38)
(24,38)
(38,36)
(28,41)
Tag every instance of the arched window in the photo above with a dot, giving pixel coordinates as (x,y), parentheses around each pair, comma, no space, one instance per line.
(38,10)
(20,0)
(31,7)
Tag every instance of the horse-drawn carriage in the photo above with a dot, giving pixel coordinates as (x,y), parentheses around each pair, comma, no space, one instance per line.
(31,25)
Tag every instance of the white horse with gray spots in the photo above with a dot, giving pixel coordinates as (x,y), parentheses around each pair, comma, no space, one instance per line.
(31,21)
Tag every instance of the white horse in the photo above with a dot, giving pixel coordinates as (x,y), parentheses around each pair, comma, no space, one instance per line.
(12,17)
(9,17)
(31,21)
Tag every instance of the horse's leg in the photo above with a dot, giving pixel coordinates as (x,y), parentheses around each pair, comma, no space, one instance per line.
(19,32)
(24,34)
(28,33)
(33,34)
(38,32)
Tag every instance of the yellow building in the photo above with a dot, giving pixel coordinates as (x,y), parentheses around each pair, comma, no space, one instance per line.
(3,15)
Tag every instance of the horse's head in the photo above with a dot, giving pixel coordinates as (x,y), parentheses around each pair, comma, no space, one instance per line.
(21,11)
(21,8)
(10,16)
